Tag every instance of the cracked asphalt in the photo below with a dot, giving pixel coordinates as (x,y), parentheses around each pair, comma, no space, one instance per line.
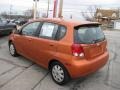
(19,73)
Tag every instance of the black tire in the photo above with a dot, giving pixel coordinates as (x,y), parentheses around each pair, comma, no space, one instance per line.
(66,74)
(14,52)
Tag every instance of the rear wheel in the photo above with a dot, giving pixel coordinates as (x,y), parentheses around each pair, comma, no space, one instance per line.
(59,73)
(12,50)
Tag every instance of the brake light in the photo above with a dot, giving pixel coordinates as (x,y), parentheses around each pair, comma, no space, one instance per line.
(77,50)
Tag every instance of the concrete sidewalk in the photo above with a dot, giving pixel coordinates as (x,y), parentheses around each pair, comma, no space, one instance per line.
(18,73)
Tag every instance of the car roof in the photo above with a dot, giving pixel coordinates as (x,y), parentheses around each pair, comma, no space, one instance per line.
(67,21)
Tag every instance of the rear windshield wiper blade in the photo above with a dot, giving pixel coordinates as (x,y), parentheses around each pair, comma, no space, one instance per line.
(98,40)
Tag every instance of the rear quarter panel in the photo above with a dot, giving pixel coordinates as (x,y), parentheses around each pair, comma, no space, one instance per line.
(64,53)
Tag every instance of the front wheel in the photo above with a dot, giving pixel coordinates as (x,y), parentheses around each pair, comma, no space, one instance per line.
(59,73)
(12,50)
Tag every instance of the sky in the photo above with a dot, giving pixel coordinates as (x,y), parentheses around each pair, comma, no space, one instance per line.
(69,6)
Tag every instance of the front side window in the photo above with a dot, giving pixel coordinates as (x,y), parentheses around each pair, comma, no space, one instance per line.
(30,29)
(48,30)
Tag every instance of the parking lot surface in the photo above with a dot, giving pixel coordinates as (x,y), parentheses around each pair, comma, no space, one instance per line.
(19,73)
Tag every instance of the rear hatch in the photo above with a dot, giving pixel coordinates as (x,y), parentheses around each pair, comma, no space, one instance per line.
(92,40)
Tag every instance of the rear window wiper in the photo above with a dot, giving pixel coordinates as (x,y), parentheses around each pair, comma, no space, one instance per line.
(98,40)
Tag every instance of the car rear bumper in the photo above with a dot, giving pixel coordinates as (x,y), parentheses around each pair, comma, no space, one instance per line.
(81,68)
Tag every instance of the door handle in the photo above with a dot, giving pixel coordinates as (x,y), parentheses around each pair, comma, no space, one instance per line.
(51,45)
(30,39)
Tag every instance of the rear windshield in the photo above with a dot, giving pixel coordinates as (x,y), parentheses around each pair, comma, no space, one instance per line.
(88,34)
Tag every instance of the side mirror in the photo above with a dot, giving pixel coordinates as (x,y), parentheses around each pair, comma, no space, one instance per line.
(16,31)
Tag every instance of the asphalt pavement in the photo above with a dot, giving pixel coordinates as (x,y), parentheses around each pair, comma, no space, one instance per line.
(19,73)
(3,39)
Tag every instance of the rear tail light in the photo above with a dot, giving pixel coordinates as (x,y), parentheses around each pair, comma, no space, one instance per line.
(77,50)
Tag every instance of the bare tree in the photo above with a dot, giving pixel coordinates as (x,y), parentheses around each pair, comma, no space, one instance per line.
(86,16)
(89,14)
(28,13)
(4,15)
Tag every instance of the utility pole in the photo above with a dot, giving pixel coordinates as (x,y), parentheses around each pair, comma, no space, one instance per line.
(55,8)
(35,9)
(48,8)
(60,9)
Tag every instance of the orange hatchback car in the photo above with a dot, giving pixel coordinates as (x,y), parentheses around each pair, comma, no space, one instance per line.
(69,49)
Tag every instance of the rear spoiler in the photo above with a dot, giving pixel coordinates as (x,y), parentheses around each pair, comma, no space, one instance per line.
(88,24)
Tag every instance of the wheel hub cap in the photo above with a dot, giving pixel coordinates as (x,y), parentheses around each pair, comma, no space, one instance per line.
(58,73)
(12,50)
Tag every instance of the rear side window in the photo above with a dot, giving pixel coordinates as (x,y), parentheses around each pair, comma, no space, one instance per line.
(88,34)
(61,32)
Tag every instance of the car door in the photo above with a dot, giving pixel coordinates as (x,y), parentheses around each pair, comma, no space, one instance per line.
(45,45)
(24,40)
